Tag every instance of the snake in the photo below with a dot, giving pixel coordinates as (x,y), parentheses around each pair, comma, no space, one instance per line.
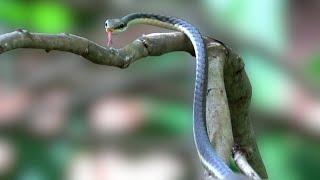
(207,154)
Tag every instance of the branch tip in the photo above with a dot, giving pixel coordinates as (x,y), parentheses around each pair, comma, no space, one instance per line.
(65,34)
(24,32)
(20,30)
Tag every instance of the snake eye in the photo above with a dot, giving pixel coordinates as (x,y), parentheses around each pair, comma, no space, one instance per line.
(121,26)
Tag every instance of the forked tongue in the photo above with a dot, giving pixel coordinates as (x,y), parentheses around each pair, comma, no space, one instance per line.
(109,39)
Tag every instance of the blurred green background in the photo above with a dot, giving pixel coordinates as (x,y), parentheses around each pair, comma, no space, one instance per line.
(62,117)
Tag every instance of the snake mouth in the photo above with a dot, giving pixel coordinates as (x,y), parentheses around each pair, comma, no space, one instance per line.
(109,29)
(109,36)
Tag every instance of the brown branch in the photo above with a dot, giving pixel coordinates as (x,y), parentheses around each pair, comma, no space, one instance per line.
(239,96)
(227,67)
(218,115)
(122,58)
(223,68)
(217,111)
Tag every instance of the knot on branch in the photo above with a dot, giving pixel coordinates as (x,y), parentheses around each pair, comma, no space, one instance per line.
(145,43)
(25,33)
(125,64)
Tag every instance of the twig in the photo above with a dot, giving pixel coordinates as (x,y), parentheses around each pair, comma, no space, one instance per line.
(244,165)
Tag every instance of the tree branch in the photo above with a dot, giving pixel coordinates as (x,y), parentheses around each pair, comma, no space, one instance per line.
(225,70)
(122,58)
(239,96)
(218,115)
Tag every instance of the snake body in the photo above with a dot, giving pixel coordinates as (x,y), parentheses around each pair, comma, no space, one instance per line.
(208,156)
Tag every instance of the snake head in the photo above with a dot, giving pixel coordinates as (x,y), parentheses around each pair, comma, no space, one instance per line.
(115,25)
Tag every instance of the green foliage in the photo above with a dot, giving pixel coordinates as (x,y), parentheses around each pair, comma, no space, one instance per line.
(38,16)
(313,69)
(50,17)
(289,157)
(269,83)
(12,12)
(171,117)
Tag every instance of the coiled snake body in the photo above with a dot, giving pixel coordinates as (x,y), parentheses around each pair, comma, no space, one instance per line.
(208,156)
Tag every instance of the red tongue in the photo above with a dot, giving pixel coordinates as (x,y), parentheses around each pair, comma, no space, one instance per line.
(109,40)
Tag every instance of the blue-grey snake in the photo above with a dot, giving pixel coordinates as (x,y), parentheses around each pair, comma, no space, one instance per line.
(208,156)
